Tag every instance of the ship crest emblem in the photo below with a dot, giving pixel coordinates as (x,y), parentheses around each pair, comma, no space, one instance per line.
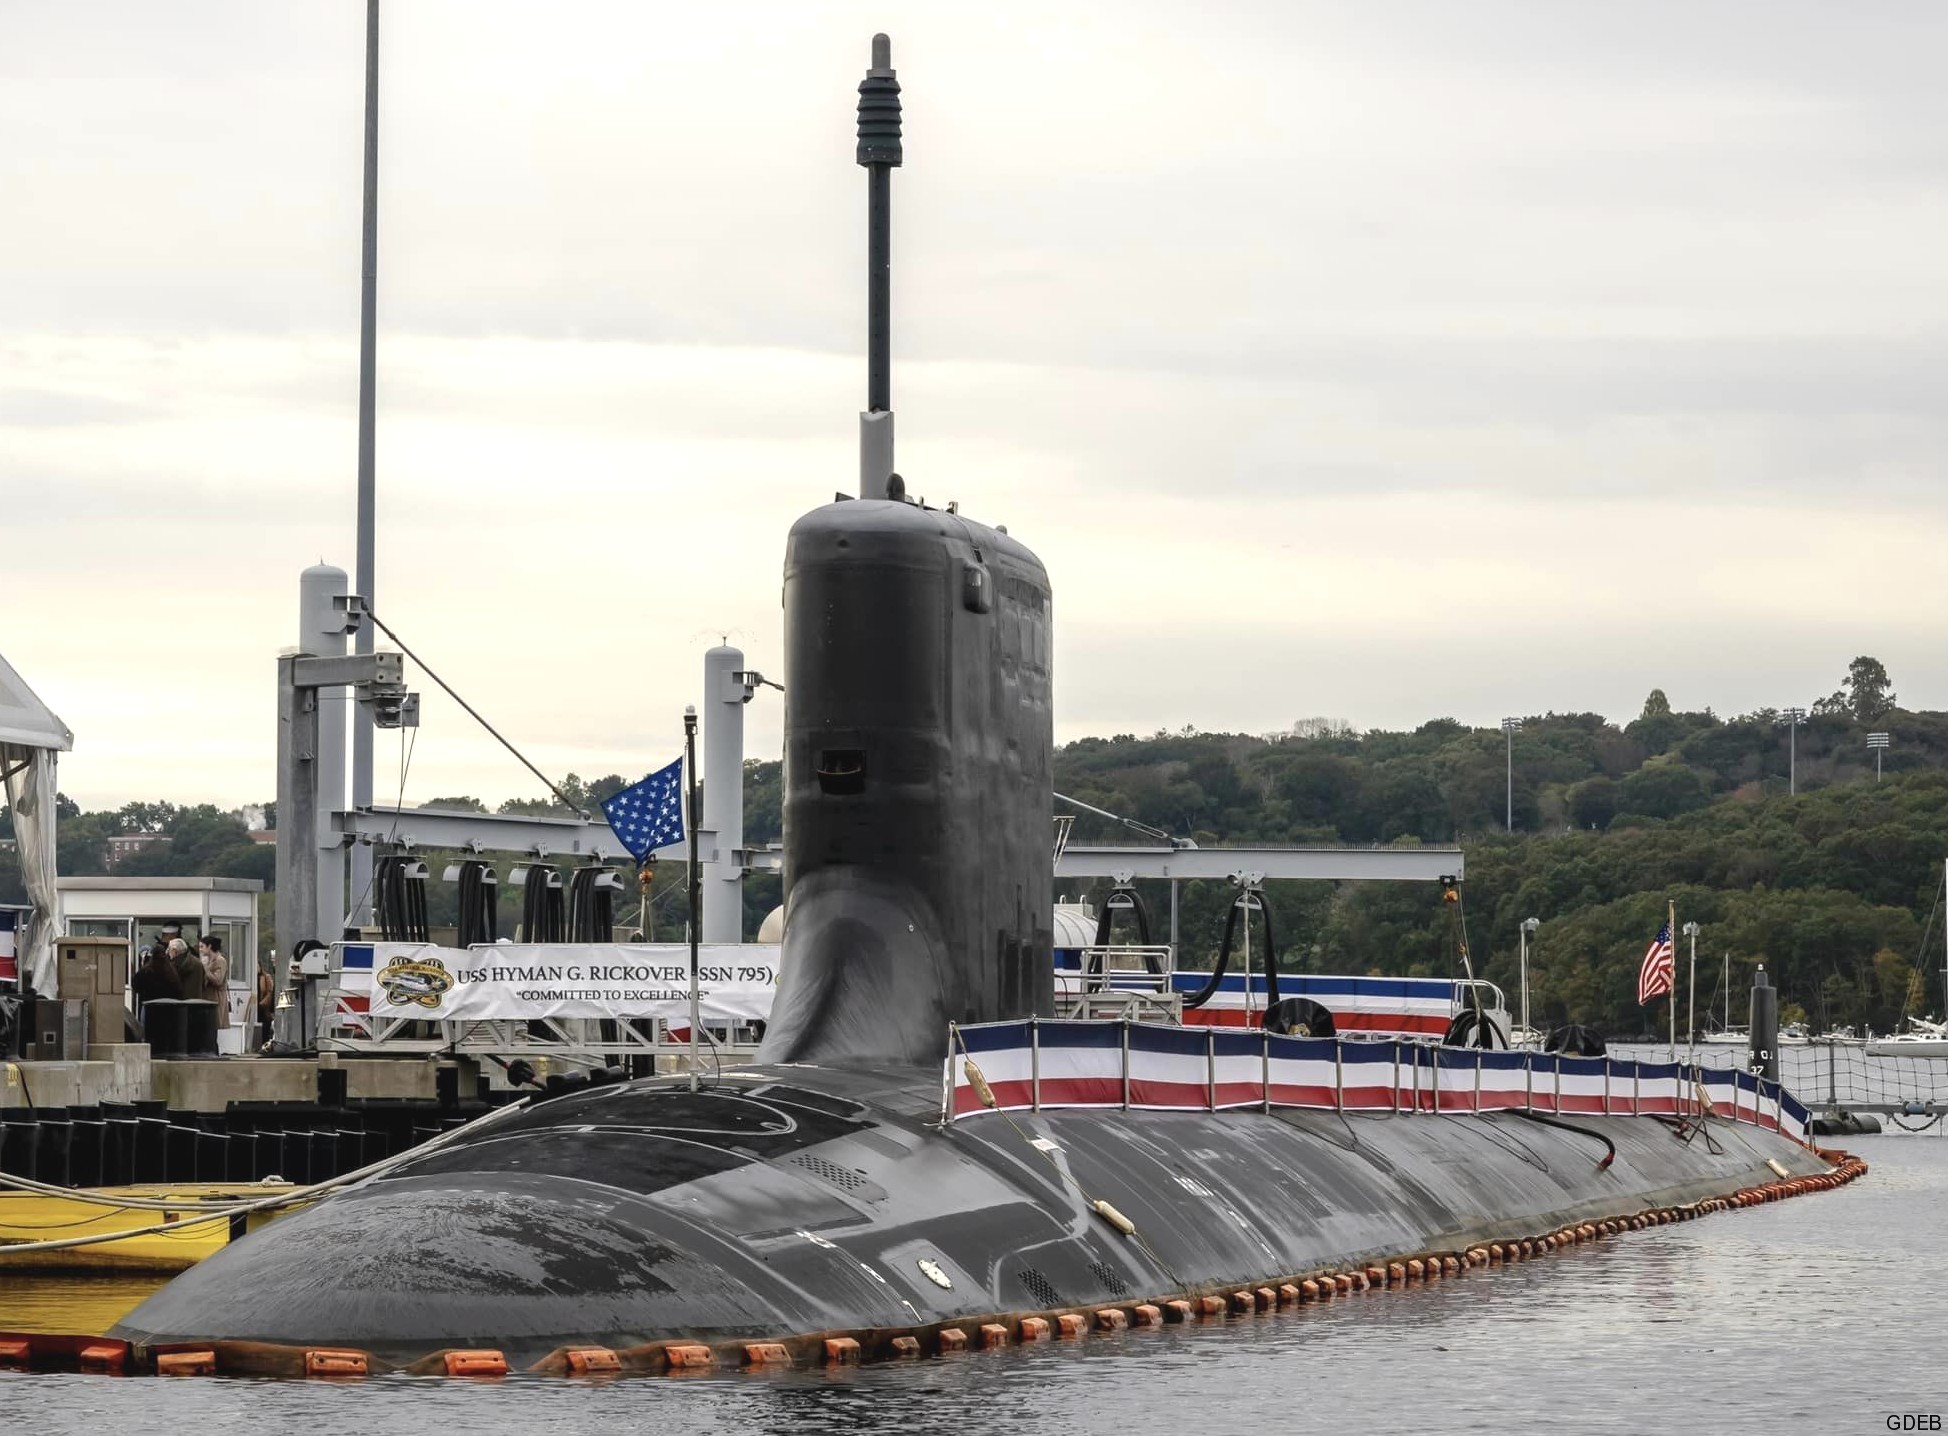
(422,980)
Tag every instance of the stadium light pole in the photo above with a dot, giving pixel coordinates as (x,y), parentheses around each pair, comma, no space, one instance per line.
(1510,726)
(1877,742)
(1690,930)
(1529,925)
(1794,717)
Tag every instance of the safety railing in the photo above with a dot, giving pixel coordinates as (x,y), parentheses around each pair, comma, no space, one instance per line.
(1120,982)
(1129,966)
(1039,1063)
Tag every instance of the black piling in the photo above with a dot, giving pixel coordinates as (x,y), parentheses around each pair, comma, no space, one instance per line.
(1765,1026)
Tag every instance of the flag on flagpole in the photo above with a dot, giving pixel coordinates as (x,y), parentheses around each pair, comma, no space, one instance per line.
(649,815)
(1656,976)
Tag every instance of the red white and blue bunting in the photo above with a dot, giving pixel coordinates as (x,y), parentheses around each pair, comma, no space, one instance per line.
(1153,1067)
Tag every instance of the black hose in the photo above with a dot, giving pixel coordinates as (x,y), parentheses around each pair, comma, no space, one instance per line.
(578,905)
(1610,1148)
(479,904)
(605,914)
(1472,1027)
(1240,904)
(591,907)
(383,900)
(414,875)
(1209,990)
(1575,1040)
(399,884)
(1135,903)
(541,905)
(1104,919)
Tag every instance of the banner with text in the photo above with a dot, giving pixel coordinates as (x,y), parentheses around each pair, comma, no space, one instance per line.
(736,982)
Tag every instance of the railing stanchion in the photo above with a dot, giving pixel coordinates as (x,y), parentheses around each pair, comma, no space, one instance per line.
(1035,1064)
(1265,1067)
(1210,1068)
(1636,1088)
(1396,1076)
(1559,1084)
(1338,1076)
(1477,1081)
(1606,1086)
(1126,1064)
(947,1076)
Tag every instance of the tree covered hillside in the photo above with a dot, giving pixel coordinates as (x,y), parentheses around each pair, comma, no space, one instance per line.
(1830,888)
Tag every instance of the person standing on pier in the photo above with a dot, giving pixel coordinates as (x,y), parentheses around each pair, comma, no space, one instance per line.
(156,977)
(189,970)
(266,1005)
(216,972)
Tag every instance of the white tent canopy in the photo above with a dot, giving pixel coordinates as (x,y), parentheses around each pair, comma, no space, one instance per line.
(25,721)
(30,736)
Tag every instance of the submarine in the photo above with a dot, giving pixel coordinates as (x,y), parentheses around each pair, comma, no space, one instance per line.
(878,1184)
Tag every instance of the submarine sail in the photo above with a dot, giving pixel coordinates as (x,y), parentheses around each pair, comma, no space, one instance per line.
(918,785)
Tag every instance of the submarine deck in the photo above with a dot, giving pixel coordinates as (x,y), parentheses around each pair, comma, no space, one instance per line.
(789,1200)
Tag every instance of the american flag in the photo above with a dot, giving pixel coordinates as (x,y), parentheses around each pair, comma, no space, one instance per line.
(1655,977)
(649,815)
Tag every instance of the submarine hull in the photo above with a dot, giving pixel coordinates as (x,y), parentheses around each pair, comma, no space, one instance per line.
(799,1200)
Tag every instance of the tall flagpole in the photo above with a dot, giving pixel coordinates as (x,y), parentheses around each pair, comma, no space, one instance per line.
(696,916)
(1672,929)
(364,578)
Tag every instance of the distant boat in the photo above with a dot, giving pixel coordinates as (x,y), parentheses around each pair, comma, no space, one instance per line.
(1728,1035)
(1924,1038)
(1837,1037)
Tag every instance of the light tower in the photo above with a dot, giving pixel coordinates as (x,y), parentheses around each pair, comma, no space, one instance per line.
(1510,727)
(1877,742)
(1794,717)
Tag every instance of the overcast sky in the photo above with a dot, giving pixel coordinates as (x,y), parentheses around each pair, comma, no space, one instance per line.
(1374,362)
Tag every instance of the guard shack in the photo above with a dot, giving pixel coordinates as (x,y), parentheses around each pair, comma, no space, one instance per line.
(137,910)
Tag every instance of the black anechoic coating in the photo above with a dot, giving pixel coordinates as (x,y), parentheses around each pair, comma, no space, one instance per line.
(792,1201)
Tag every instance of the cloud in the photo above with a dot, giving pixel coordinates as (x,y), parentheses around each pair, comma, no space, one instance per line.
(1380,362)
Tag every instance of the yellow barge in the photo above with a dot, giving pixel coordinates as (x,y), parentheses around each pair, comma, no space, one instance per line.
(195,1220)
